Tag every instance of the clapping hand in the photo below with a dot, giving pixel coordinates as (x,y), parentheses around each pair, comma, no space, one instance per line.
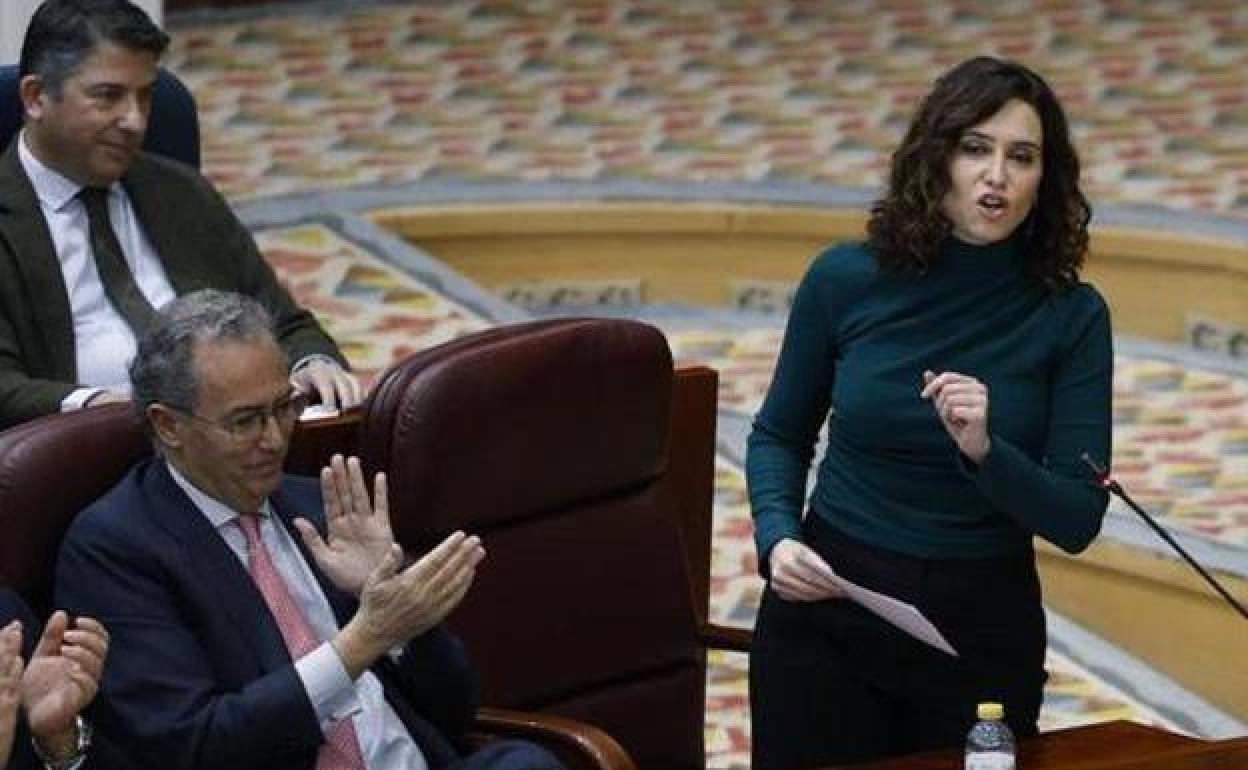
(358,532)
(61,678)
(398,604)
(798,574)
(962,404)
(10,686)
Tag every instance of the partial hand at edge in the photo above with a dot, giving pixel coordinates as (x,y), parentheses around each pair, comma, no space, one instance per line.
(798,574)
(10,686)
(61,679)
(398,605)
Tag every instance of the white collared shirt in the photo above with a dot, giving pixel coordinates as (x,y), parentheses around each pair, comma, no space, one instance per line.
(103,342)
(384,740)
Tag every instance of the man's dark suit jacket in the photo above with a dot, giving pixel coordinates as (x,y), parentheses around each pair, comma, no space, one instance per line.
(201,244)
(102,755)
(198,676)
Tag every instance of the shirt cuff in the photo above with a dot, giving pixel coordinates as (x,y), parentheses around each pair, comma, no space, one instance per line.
(313,357)
(78,398)
(329,688)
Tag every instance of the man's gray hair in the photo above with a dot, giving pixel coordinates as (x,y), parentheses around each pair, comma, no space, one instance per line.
(162,371)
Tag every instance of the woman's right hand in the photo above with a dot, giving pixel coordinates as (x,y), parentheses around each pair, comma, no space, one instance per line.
(798,574)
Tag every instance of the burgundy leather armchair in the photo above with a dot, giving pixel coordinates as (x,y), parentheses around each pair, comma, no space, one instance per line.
(566,447)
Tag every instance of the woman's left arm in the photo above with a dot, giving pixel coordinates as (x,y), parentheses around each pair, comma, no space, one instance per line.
(1059,498)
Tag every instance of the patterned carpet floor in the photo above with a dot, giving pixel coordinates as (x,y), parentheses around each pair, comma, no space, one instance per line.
(365,95)
(739,90)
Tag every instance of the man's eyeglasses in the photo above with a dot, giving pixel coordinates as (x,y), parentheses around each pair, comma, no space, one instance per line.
(248,424)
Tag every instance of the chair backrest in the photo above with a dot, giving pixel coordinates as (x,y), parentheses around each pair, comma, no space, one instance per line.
(50,469)
(54,466)
(172,130)
(550,440)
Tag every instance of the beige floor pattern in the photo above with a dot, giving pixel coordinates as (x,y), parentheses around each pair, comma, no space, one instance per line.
(735,90)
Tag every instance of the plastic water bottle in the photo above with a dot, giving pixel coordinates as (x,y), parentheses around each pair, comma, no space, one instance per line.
(990,743)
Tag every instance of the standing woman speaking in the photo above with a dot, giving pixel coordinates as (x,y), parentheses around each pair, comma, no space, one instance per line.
(966,370)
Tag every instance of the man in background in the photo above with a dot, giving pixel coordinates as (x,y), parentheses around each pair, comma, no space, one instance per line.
(94,234)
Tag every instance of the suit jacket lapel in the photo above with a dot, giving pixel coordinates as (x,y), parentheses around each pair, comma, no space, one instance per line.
(23,226)
(206,553)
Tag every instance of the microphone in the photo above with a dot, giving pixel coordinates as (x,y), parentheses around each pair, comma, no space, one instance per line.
(1106,482)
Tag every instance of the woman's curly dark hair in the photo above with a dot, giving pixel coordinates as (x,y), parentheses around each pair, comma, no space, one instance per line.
(907,225)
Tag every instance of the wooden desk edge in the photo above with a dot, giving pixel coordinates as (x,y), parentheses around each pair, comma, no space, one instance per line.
(1117,745)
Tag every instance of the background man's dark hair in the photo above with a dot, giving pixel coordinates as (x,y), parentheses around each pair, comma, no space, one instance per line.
(64,32)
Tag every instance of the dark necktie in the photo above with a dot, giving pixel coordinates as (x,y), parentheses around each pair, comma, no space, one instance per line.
(115,275)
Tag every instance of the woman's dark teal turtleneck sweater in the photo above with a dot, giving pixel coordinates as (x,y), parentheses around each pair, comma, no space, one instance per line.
(857,344)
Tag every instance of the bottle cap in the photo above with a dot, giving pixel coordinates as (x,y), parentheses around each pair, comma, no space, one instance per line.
(990,711)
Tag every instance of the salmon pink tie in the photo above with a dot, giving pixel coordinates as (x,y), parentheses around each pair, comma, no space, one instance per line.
(341,750)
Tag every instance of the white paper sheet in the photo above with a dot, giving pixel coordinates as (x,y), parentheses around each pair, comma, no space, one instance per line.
(902,615)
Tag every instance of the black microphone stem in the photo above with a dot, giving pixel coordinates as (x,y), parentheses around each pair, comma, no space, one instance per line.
(1106,482)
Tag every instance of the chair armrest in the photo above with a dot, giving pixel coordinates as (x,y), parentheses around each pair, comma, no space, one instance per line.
(726,637)
(315,441)
(578,745)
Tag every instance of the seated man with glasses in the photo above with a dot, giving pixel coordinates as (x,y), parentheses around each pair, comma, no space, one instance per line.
(258,620)
(246,426)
